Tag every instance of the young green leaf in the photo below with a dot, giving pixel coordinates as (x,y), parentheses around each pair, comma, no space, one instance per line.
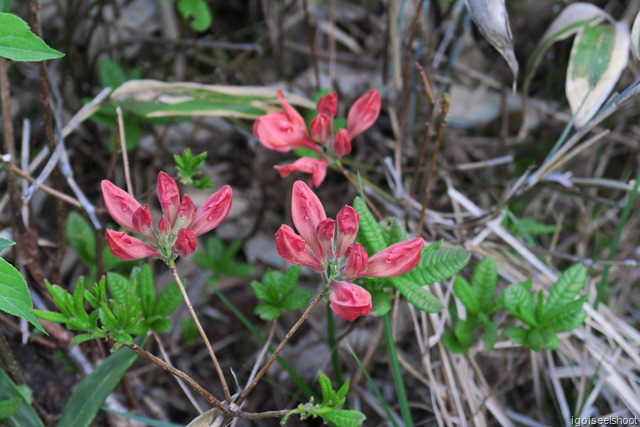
(381,303)
(296,299)
(110,73)
(25,415)
(417,296)
(267,311)
(467,295)
(344,417)
(372,237)
(483,281)
(15,298)
(438,265)
(565,290)
(81,239)
(118,286)
(489,335)
(18,43)
(168,300)
(519,302)
(143,278)
(328,395)
(198,11)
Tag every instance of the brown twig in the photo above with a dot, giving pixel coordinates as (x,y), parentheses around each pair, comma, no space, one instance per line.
(207,344)
(427,128)
(51,191)
(284,341)
(434,161)
(178,373)
(312,45)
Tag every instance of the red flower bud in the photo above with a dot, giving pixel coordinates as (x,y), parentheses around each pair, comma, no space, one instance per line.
(129,248)
(395,260)
(293,249)
(342,143)
(169,196)
(321,128)
(316,167)
(143,222)
(328,104)
(120,205)
(357,261)
(348,224)
(363,113)
(349,301)
(213,211)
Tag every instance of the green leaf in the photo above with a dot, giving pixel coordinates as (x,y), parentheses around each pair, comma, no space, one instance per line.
(344,417)
(372,237)
(466,295)
(438,265)
(489,335)
(9,407)
(393,231)
(290,279)
(4,243)
(452,343)
(78,339)
(89,396)
(516,334)
(417,296)
(15,298)
(170,298)
(328,395)
(81,239)
(296,299)
(483,280)
(50,316)
(381,304)
(259,290)
(18,43)
(570,317)
(463,330)
(25,415)
(111,73)
(565,290)
(118,286)
(198,10)
(5,5)
(143,277)
(519,302)
(267,311)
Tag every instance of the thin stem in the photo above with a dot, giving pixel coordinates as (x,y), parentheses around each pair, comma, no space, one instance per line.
(223,381)
(333,347)
(178,373)
(284,342)
(394,364)
(123,147)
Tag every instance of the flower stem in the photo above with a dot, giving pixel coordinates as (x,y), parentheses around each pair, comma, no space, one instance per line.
(396,373)
(314,302)
(223,381)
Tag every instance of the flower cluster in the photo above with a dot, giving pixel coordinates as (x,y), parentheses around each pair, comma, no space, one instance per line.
(286,130)
(327,246)
(177,229)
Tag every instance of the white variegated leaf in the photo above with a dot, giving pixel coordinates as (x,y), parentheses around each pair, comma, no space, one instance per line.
(635,36)
(598,57)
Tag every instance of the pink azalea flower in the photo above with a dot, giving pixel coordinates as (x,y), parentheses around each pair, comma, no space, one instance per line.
(363,113)
(316,167)
(178,227)
(328,246)
(349,301)
(283,130)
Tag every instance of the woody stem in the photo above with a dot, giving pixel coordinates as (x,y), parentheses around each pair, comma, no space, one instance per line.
(223,381)
(284,342)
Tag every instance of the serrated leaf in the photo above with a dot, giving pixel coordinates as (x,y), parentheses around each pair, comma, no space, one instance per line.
(168,300)
(146,289)
(89,396)
(18,43)
(466,295)
(328,394)
(372,237)
(81,239)
(417,296)
(519,303)
(598,57)
(4,244)
(393,230)
(438,265)
(296,299)
(118,286)
(493,21)
(483,281)
(161,325)
(290,280)
(259,290)
(15,298)
(464,332)
(50,316)
(565,290)
(197,11)
(568,318)
(516,334)
(267,311)
(489,335)
(452,343)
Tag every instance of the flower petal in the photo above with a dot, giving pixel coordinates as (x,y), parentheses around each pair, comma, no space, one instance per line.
(349,301)
(307,212)
(129,248)
(185,243)
(348,224)
(357,262)
(321,128)
(328,104)
(213,211)
(316,167)
(169,196)
(143,222)
(293,249)
(363,113)
(120,205)
(326,232)
(186,213)
(342,143)
(395,260)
